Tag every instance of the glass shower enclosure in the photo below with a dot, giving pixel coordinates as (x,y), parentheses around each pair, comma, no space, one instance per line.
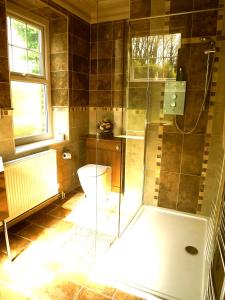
(157,80)
(137,67)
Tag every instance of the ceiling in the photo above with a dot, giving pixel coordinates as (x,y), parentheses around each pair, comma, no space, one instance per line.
(94,11)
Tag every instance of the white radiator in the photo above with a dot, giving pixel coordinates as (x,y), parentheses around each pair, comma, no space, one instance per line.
(30,181)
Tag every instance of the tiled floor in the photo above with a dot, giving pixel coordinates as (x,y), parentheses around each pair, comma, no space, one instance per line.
(53,259)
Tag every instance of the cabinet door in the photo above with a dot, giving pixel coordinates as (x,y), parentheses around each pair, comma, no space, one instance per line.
(3,200)
(108,153)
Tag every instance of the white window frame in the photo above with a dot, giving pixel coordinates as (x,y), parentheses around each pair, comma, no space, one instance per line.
(24,16)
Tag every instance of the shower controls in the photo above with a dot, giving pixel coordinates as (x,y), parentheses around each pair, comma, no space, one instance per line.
(174,97)
(173,104)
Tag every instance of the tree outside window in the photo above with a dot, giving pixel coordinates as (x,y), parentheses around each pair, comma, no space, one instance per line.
(155,57)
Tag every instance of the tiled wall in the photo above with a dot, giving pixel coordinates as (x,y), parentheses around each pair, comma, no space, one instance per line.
(106,71)
(147,8)
(70,59)
(106,84)
(59,61)
(175,162)
(70,96)
(215,126)
(181,184)
(79,39)
(79,52)
(214,181)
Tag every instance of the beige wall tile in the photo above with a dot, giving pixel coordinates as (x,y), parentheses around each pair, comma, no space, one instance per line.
(58,43)
(149,187)
(60,118)
(168,190)
(188,193)
(6,128)
(7,148)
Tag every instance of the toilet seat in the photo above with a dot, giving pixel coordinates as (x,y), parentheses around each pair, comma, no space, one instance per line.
(95,181)
(92,170)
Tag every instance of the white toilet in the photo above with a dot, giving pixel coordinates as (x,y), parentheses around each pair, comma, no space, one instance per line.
(95,181)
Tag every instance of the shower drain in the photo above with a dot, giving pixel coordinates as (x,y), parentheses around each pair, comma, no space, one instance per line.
(191,250)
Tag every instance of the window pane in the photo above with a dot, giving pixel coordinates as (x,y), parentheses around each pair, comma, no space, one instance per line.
(156,46)
(140,68)
(25,47)
(9,29)
(139,47)
(155,57)
(171,44)
(18,33)
(30,113)
(156,68)
(170,66)
(34,63)
(141,72)
(10,58)
(19,60)
(33,38)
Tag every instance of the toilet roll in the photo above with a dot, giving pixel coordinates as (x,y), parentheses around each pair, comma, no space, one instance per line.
(67,155)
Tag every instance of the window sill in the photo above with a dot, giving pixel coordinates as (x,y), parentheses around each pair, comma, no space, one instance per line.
(37,145)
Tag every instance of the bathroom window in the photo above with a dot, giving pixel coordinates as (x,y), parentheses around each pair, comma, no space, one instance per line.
(154,57)
(27,42)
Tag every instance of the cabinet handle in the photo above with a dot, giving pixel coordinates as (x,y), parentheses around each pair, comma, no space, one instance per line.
(117,148)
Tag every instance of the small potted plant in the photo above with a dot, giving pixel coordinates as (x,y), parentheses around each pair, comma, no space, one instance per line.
(105,128)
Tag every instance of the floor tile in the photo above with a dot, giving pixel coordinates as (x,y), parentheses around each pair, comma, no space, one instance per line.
(86,294)
(48,208)
(17,244)
(123,296)
(79,279)
(59,212)
(59,289)
(42,220)
(17,227)
(31,232)
(102,289)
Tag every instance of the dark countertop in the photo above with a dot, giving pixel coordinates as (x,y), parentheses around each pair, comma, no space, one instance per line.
(94,136)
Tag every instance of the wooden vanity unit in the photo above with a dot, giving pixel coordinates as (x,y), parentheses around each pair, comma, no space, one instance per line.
(108,152)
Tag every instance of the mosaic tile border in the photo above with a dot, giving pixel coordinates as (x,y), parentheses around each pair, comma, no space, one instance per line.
(79,108)
(220,21)
(160,128)
(60,108)
(159,152)
(95,108)
(6,112)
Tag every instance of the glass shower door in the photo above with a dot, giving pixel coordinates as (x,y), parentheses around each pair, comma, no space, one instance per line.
(135,104)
